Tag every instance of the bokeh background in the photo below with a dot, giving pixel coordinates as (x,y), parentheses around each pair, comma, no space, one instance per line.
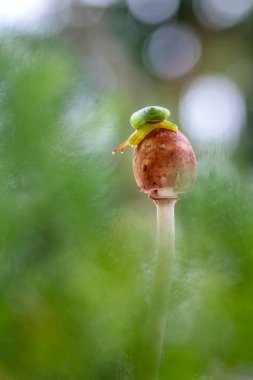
(77,239)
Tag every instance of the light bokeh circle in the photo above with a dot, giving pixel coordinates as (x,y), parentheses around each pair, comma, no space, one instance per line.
(153,11)
(222,13)
(99,3)
(213,110)
(172,51)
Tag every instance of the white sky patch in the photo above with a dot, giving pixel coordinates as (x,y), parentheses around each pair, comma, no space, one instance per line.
(212,110)
(24,14)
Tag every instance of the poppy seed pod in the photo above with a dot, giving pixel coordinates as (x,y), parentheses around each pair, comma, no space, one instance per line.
(164,159)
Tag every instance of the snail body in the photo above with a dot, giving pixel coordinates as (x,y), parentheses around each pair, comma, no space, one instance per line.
(145,121)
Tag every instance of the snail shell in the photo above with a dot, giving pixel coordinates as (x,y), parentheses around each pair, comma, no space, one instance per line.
(153,114)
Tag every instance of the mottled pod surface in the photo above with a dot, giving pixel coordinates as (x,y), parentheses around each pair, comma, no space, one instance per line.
(164,159)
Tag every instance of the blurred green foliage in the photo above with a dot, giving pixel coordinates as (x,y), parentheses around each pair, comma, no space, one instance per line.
(77,240)
(67,257)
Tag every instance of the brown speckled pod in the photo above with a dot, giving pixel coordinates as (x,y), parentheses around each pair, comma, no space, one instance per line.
(164,159)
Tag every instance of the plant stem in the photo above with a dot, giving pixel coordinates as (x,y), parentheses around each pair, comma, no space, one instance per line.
(159,300)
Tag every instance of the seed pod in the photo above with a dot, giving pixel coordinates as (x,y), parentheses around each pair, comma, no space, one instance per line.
(164,159)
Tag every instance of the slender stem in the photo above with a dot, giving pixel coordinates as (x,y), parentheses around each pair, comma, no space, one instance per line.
(158,308)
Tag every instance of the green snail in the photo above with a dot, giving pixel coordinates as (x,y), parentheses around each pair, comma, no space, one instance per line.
(144,121)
